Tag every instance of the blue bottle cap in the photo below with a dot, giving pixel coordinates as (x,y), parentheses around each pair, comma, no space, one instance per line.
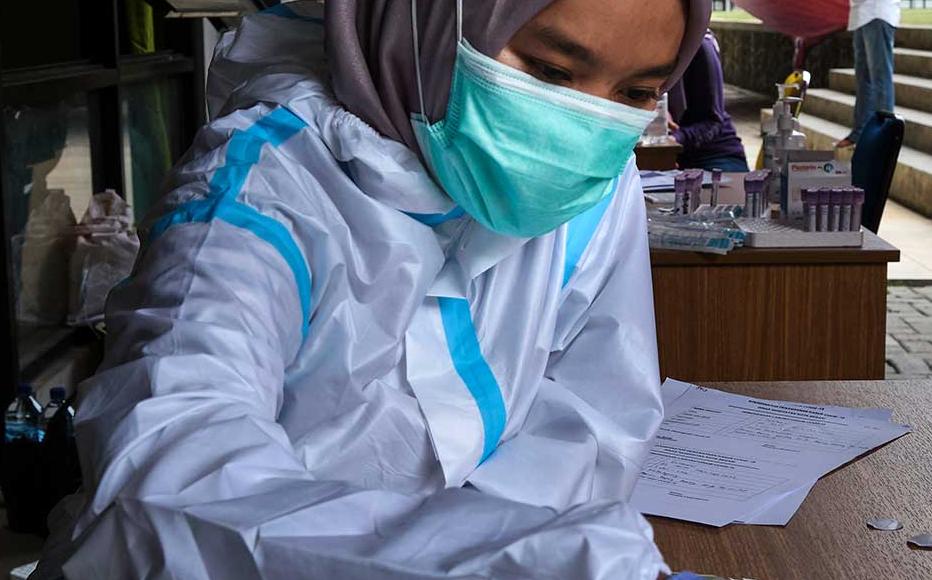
(24,389)
(58,393)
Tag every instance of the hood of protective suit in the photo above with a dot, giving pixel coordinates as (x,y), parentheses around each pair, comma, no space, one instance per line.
(370,43)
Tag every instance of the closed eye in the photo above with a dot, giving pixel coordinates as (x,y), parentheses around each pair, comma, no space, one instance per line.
(640,95)
(547,72)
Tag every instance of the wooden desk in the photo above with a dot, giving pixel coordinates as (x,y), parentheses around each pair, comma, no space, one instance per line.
(658,157)
(828,537)
(773,314)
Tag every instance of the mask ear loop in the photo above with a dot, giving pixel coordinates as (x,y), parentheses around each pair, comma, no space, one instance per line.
(417,49)
(417,60)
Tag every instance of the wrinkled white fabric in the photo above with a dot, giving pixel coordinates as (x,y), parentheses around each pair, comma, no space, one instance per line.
(226,436)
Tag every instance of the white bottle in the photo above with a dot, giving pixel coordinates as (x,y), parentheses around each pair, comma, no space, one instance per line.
(23,417)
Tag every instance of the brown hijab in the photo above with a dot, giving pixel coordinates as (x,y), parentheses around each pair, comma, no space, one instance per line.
(370,49)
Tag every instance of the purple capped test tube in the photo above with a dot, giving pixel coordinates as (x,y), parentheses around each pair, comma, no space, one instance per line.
(847,198)
(858,204)
(694,187)
(825,194)
(716,182)
(679,193)
(834,212)
(810,203)
(752,193)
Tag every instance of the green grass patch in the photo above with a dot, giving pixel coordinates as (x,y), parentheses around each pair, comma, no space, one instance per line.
(917,16)
(736,15)
(910,16)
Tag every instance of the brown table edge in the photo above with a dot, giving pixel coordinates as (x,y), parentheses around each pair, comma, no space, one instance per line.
(874,251)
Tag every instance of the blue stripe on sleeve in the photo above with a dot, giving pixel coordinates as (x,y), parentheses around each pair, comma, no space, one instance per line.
(243,151)
(473,369)
(580,231)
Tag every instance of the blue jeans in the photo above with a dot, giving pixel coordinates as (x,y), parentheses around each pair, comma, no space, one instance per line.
(732,163)
(873,68)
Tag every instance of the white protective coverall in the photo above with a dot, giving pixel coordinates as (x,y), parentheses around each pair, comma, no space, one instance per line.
(321,369)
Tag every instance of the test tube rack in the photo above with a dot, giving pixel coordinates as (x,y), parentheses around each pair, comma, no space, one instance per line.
(792,233)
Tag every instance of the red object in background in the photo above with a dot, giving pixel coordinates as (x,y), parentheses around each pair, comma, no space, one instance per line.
(809,19)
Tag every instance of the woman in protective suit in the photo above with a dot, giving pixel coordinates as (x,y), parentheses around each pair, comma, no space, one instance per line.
(393,316)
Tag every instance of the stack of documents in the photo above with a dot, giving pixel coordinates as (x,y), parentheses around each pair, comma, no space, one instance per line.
(721,458)
(656,181)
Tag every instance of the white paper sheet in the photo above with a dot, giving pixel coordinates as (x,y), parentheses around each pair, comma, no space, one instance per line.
(721,458)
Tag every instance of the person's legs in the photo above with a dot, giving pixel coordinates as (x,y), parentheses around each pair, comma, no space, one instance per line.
(878,47)
(863,103)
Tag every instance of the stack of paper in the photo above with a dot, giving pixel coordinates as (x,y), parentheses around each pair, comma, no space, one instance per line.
(721,458)
(656,181)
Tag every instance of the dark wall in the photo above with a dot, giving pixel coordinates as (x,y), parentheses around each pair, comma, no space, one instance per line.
(756,58)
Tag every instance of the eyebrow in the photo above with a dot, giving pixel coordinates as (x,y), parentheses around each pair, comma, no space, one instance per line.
(658,71)
(561,43)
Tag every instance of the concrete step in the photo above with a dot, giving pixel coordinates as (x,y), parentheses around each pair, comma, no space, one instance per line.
(913,92)
(839,108)
(914,36)
(913,62)
(912,181)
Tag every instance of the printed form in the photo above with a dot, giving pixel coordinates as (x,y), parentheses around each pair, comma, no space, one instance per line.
(721,458)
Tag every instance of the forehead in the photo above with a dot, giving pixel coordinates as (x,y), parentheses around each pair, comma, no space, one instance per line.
(621,34)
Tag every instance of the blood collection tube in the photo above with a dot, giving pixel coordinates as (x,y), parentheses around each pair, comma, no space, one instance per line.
(858,199)
(847,197)
(810,203)
(679,196)
(694,186)
(752,194)
(834,216)
(824,200)
(716,182)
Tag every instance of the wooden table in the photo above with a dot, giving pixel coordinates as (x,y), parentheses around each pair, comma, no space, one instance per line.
(659,157)
(828,537)
(772,314)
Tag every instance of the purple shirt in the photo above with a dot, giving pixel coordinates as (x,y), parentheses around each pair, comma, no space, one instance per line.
(697,105)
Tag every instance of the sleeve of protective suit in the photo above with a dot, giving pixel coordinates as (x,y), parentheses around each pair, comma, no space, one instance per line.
(188,474)
(605,346)
(599,405)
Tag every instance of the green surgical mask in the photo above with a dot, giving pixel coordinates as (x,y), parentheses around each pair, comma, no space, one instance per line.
(522,156)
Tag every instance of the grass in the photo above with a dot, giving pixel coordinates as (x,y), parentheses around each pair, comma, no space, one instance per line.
(917,16)
(910,16)
(736,15)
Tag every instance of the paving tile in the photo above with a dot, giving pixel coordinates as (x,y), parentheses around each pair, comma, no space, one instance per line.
(896,325)
(890,371)
(922,326)
(909,365)
(901,291)
(915,346)
(924,291)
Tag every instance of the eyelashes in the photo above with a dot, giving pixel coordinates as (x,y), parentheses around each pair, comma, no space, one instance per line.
(542,70)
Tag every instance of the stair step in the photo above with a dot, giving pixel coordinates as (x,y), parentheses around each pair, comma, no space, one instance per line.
(914,36)
(913,177)
(913,92)
(913,62)
(839,108)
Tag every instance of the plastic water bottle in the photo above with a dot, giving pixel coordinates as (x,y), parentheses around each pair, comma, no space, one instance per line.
(56,402)
(24,417)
